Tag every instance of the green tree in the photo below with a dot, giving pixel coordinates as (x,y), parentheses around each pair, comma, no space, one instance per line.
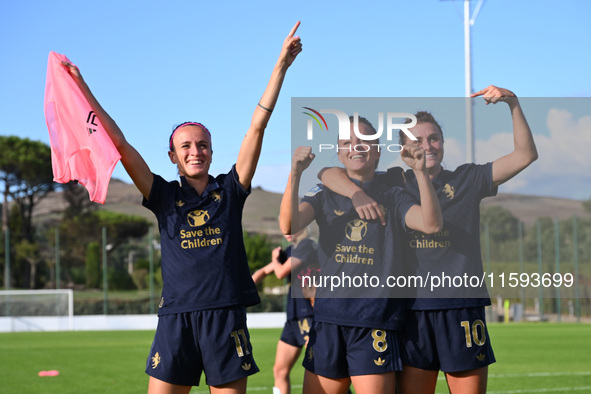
(546,240)
(77,232)
(77,200)
(502,225)
(121,227)
(502,233)
(258,250)
(93,266)
(29,252)
(26,176)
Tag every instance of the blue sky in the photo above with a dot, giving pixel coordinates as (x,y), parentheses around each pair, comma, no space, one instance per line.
(153,64)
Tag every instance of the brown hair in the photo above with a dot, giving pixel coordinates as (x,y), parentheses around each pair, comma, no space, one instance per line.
(422,117)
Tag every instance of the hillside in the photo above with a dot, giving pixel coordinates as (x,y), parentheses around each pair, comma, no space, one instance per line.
(529,208)
(260,213)
(262,207)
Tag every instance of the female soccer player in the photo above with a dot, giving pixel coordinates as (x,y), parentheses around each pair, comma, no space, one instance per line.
(448,334)
(207,283)
(354,338)
(302,257)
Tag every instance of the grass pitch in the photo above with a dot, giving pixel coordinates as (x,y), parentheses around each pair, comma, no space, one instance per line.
(531,358)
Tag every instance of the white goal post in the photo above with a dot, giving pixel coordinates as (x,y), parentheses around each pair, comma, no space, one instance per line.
(36,310)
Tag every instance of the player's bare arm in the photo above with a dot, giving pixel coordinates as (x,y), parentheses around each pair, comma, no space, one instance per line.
(303,213)
(524,148)
(337,180)
(426,217)
(133,162)
(250,149)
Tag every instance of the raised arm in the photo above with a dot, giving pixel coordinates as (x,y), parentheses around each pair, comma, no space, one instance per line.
(426,217)
(133,162)
(250,149)
(303,213)
(524,149)
(337,180)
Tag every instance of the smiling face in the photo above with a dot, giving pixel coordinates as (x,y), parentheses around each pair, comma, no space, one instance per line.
(360,157)
(429,138)
(191,151)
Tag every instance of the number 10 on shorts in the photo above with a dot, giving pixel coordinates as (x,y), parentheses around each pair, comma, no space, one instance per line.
(476,333)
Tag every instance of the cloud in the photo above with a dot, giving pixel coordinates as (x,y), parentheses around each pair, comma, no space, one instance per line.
(563,168)
(569,143)
(565,151)
(454,154)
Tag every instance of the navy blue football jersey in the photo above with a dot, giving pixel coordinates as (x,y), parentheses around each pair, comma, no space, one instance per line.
(455,250)
(352,252)
(204,263)
(299,307)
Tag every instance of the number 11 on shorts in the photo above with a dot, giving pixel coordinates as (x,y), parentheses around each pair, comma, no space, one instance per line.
(236,335)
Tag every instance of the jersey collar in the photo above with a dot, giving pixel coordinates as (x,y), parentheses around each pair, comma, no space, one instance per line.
(212,184)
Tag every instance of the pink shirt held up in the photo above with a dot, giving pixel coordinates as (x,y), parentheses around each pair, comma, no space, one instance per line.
(80,148)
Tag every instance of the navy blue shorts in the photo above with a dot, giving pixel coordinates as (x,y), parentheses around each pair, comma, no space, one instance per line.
(336,351)
(451,340)
(214,341)
(296,332)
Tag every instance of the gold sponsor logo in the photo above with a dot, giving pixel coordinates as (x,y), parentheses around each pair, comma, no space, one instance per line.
(179,203)
(356,230)
(197,218)
(379,362)
(246,366)
(155,360)
(338,212)
(480,357)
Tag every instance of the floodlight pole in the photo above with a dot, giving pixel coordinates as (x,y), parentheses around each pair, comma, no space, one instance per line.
(58,283)
(6,258)
(151,277)
(468,23)
(105,273)
(468,84)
